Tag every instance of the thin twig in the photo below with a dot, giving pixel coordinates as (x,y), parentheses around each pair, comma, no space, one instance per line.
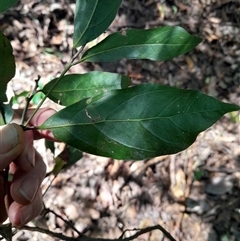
(85,238)
(67,67)
(48,232)
(6,188)
(149,229)
(47,210)
(50,184)
(28,99)
(75,56)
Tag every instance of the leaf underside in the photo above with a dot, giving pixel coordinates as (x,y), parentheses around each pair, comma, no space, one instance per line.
(137,123)
(157,44)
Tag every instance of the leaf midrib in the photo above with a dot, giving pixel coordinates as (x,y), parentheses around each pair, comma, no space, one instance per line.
(80,89)
(127,120)
(130,46)
(87,25)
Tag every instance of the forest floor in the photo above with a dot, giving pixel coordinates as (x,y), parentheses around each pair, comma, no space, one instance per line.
(195,194)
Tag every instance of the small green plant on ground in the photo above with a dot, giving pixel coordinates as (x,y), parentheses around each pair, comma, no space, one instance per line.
(103,114)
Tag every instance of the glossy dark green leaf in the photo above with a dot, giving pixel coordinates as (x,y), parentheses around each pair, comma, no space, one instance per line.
(74,87)
(138,122)
(7,66)
(6,4)
(156,44)
(92,18)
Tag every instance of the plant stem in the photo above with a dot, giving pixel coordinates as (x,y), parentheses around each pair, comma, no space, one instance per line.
(77,62)
(68,66)
(49,92)
(139,232)
(28,99)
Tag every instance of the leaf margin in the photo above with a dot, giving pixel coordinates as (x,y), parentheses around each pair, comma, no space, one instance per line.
(90,120)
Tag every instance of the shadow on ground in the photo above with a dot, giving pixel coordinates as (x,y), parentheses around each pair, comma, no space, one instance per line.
(194,194)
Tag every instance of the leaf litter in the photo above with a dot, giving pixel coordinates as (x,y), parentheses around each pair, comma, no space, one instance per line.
(197,188)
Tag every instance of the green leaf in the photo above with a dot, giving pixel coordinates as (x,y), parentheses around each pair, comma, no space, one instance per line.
(74,87)
(50,145)
(75,155)
(156,44)
(6,4)
(2,121)
(7,66)
(66,158)
(138,122)
(92,18)
(6,231)
(59,163)
(6,113)
(37,98)
(199,174)
(16,96)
